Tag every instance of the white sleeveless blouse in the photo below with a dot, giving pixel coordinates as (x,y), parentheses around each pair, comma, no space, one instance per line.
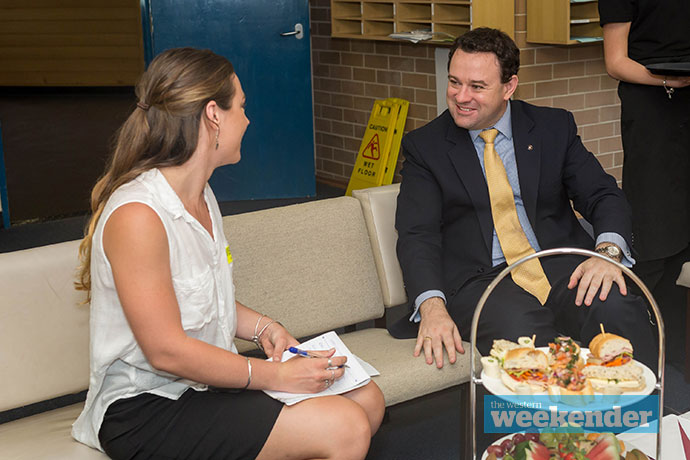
(202,278)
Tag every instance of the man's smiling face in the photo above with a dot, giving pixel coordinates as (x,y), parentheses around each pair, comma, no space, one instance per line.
(476,96)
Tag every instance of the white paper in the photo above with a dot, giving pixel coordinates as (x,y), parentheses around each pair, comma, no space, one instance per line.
(670,440)
(355,375)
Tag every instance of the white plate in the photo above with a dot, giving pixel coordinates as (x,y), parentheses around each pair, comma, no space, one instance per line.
(628,446)
(496,386)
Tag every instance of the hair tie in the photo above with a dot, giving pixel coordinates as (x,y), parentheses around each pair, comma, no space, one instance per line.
(143,106)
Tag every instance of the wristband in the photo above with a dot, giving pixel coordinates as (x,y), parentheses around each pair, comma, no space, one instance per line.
(249,376)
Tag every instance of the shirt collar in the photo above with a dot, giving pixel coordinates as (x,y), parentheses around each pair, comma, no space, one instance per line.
(165,194)
(503,125)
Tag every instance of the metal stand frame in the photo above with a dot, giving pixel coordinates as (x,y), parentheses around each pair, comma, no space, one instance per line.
(476,378)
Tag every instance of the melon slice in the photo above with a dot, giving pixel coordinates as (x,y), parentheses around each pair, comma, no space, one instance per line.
(537,451)
(606,448)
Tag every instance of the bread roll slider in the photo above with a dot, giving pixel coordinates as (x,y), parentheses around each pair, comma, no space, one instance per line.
(500,347)
(525,368)
(610,368)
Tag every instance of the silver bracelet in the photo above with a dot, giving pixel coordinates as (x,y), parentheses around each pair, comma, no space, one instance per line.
(256,326)
(669,91)
(257,338)
(249,376)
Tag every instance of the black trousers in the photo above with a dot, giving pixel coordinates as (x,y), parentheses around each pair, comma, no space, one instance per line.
(660,277)
(511,312)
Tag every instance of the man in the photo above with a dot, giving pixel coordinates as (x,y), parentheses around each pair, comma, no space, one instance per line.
(456,229)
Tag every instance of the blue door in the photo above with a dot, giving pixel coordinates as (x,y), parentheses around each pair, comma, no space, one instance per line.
(274,66)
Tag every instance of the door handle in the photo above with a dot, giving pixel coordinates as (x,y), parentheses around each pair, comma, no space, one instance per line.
(298,32)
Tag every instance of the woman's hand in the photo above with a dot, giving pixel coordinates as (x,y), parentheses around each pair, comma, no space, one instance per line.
(275,340)
(310,375)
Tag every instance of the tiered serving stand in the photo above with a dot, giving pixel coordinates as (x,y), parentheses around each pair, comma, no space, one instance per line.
(476,377)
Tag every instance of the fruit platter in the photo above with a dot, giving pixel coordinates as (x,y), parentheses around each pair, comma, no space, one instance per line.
(561,446)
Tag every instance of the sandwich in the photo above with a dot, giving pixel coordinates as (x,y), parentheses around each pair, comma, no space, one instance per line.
(564,352)
(610,367)
(525,368)
(566,378)
(500,347)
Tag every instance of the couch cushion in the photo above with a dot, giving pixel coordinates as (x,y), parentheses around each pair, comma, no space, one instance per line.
(378,205)
(45,436)
(308,265)
(404,377)
(44,331)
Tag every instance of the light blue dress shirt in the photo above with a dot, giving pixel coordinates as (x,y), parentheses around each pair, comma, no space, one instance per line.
(506,151)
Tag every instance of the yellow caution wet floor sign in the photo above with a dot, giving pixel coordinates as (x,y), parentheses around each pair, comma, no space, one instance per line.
(378,153)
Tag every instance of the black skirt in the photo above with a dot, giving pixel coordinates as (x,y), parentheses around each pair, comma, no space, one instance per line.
(199,425)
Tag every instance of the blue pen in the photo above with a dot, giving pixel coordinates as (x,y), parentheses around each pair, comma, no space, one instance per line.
(299,352)
(306,354)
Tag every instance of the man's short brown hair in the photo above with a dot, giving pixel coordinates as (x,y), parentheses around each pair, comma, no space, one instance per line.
(487,40)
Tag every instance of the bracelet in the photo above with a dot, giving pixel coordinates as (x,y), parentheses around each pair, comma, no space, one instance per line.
(256,338)
(256,326)
(669,91)
(249,376)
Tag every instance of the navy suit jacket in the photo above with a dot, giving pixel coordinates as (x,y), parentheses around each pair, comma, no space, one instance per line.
(443,215)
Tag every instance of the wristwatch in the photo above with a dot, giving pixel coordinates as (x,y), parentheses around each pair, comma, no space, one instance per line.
(611,251)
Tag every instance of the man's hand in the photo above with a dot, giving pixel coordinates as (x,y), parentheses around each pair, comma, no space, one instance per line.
(592,275)
(437,330)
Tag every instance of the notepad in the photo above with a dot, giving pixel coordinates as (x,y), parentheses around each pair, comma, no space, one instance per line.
(355,375)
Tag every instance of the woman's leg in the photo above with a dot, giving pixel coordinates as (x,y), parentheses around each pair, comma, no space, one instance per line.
(371,399)
(329,427)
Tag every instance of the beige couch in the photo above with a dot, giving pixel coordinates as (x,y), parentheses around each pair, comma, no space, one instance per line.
(317,266)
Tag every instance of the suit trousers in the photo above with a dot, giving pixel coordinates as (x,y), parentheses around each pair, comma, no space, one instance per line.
(511,312)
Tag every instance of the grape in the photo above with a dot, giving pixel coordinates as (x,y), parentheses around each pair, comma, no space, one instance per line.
(518,438)
(496,450)
(548,439)
(507,444)
(532,437)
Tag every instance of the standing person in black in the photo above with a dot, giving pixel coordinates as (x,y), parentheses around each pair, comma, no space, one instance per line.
(655,128)
(489,161)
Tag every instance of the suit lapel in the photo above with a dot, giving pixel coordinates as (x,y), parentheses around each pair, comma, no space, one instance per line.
(464,158)
(528,158)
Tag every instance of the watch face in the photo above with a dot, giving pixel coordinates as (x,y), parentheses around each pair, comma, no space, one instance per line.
(610,251)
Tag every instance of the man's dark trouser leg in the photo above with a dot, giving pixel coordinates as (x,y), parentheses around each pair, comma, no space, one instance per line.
(626,316)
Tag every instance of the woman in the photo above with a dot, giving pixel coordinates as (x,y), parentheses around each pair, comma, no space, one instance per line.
(655,129)
(163,312)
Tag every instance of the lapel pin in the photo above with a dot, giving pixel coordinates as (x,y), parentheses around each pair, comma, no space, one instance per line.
(530,147)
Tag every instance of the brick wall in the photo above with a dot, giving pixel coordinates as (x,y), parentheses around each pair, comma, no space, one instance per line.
(349,75)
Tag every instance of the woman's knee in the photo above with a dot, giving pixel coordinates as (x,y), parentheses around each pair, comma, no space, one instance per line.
(332,427)
(370,398)
(351,429)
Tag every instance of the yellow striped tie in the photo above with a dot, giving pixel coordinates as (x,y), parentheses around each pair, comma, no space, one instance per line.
(530,276)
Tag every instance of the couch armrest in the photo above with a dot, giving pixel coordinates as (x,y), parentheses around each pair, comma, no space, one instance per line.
(378,206)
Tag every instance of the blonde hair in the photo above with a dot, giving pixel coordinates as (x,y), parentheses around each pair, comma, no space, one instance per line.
(162,130)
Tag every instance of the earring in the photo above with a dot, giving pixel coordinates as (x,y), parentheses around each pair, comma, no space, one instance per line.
(217,133)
